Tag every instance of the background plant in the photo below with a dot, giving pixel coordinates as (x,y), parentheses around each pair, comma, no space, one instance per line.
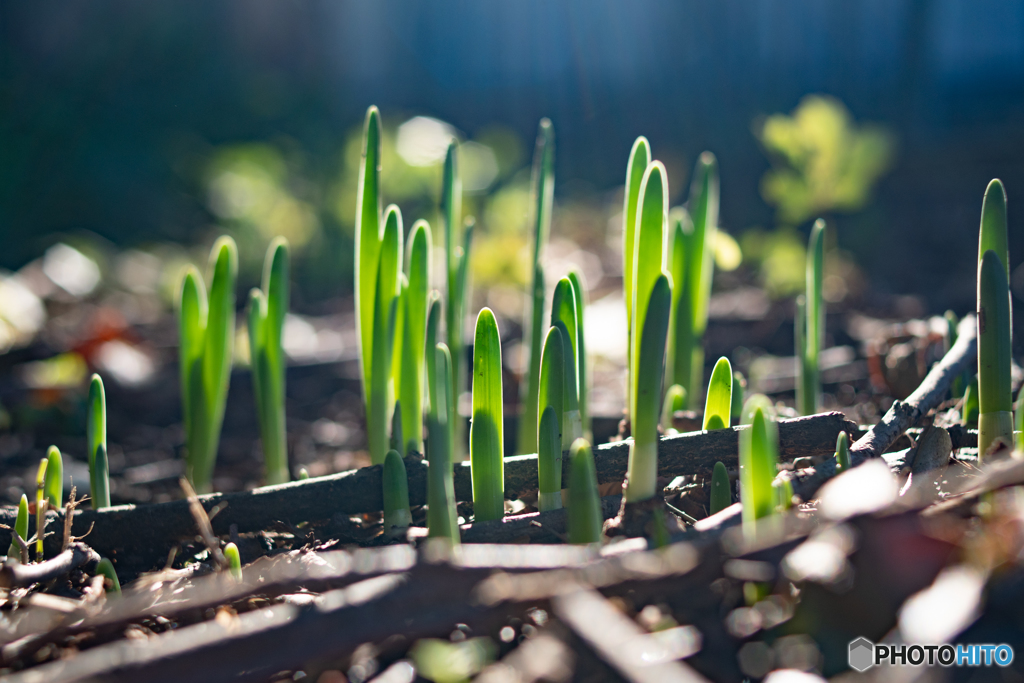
(810,319)
(207,329)
(267,310)
(542,189)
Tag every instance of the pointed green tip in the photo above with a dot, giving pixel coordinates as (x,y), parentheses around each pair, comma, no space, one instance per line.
(105,568)
(234,560)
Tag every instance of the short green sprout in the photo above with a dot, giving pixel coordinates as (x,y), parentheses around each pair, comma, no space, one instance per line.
(267,310)
(396,494)
(485,434)
(585,518)
(303,474)
(105,568)
(542,199)
(758,458)
(96,436)
(783,490)
(564,318)
(40,506)
(53,487)
(718,406)
(207,329)
(442,516)
(842,452)
(812,337)
(721,489)
(969,405)
(675,400)
(396,438)
(579,289)
(995,401)
(549,462)
(552,381)
(101,494)
(20,528)
(234,561)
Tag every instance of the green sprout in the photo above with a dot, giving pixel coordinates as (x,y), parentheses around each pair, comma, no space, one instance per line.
(703,209)
(207,328)
(552,380)
(40,506)
(303,474)
(579,289)
(96,437)
(564,318)
(396,494)
(485,434)
(783,491)
(395,440)
(842,452)
(636,169)
(969,408)
(457,266)
(542,199)
(585,517)
(20,528)
(53,487)
(416,300)
(549,462)
(101,494)
(652,301)
(739,386)
(649,367)
(234,561)
(675,400)
(718,406)
(434,315)
(721,490)
(993,231)
(758,458)
(105,568)
(267,309)
(385,307)
(442,517)
(811,336)
(995,401)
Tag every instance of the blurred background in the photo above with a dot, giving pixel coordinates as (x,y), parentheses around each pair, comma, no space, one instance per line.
(135,133)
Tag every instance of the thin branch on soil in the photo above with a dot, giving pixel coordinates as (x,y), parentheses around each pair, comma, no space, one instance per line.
(21,575)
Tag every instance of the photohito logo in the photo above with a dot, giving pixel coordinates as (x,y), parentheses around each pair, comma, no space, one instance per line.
(863,654)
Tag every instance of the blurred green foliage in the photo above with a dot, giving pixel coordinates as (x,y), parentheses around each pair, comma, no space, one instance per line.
(821,160)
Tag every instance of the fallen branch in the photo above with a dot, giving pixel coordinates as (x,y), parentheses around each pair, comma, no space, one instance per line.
(901,415)
(140,536)
(20,575)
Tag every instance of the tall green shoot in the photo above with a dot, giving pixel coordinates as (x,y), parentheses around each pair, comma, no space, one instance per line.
(385,307)
(542,196)
(416,300)
(718,405)
(96,438)
(585,516)
(579,289)
(809,378)
(485,434)
(551,438)
(636,168)
(679,354)
(995,402)
(758,458)
(703,211)
(442,516)
(267,310)
(564,317)
(207,328)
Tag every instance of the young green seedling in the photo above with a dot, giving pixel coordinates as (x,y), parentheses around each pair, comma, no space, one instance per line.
(783,491)
(207,328)
(397,517)
(368,237)
(758,457)
(552,381)
(267,310)
(485,434)
(739,386)
(105,568)
(40,506)
(101,494)
(636,168)
(53,488)
(442,516)
(579,290)
(234,561)
(679,352)
(649,371)
(585,517)
(993,232)
(969,407)
(434,315)
(842,452)
(675,400)
(718,406)
(385,308)
(457,266)
(21,529)
(563,317)
(303,474)
(542,199)
(396,438)
(995,401)
(721,490)
(96,436)
(416,300)
(549,462)
(813,334)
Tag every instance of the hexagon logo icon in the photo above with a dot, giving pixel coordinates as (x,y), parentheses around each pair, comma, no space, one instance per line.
(861,654)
